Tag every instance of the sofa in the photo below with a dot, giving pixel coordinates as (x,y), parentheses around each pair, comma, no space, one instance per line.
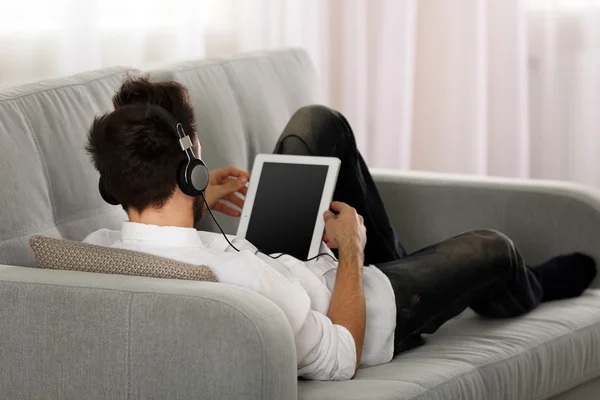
(76,335)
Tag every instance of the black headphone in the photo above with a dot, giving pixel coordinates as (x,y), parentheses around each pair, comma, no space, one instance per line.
(192,174)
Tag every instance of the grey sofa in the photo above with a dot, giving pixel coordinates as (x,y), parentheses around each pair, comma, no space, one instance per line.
(70,335)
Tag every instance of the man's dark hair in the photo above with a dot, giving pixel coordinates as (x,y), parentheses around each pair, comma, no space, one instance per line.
(136,150)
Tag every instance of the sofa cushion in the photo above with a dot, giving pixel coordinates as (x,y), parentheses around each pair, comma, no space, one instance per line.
(537,356)
(49,185)
(76,256)
(242,105)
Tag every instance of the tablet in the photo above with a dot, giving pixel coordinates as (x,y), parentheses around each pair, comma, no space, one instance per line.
(287,196)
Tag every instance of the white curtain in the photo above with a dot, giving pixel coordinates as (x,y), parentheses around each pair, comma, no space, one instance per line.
(43,39)
(365,53)
(471,108)
(498,87)
(564,90)
(488,87)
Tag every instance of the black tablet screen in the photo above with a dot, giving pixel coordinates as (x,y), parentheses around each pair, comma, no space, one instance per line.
(285,208)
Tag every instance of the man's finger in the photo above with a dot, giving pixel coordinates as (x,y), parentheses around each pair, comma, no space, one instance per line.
(327,215)
(236,172)
(227,210)
(230,186)
(219,176)
(240,182)
(338,206)
(235,200)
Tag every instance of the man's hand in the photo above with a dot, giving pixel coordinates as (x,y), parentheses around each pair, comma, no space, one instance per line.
(224,185)
(345,229)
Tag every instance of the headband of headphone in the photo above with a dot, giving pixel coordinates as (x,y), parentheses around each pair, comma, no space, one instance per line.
(192,174)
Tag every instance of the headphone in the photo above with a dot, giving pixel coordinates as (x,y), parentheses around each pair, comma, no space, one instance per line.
(192,174)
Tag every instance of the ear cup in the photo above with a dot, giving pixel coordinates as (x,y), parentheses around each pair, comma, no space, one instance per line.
(109,198)
(192,177)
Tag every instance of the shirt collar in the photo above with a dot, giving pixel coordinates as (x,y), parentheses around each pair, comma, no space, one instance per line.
(135,232)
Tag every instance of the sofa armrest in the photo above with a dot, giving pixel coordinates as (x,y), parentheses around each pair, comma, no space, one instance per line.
(75,335)
(544,218)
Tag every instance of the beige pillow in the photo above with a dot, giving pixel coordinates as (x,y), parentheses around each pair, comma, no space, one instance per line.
(76,256)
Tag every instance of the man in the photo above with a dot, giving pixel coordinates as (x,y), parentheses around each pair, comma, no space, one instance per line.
(373,303)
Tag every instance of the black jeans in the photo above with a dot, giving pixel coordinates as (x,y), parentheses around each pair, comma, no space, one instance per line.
(481,269)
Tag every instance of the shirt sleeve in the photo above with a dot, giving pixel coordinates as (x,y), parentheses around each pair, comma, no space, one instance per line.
(325,351)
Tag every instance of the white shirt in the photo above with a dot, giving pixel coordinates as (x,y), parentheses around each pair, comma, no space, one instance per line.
(302,290)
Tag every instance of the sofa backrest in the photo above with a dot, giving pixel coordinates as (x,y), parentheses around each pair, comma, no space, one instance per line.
(242,105)
(48,185)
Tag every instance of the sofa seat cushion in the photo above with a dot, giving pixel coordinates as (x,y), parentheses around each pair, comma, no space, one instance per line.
(537,356)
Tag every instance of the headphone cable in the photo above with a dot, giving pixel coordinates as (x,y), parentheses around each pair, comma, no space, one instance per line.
(217,222)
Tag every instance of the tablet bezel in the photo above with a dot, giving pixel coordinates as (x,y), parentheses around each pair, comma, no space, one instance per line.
(333,165)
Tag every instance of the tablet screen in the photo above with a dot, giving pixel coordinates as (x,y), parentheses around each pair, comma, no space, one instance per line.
(285,208)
